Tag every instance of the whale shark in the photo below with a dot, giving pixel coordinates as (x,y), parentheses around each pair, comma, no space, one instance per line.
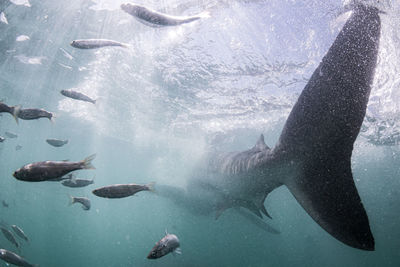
(313,154)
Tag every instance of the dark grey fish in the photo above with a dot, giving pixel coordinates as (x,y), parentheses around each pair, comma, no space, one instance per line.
(83,200)
(13,110)
(77,95)
(47,170)
(34,113)
(156,19)
(11,135)
(122,190)
(18,147)
(77,182)
(2,139)
(56,142)
(12,258)
(95,43)
(59,179)
(169,243)
(19,232)
(4,203)
(10,237)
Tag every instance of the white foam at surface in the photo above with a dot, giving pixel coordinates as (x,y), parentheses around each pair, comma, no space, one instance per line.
(3,18)
(30,60)
(21,3)
(22,38)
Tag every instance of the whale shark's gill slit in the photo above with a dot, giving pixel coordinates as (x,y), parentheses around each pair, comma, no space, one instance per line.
(323,125)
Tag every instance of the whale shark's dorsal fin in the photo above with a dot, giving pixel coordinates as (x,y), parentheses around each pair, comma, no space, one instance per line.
(322,127)
(260,145)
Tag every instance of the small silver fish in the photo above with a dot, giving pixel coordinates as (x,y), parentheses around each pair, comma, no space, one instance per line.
(56,142)
(83,200)
(47,170)
(4,203)
(19,232)
(11,135)
(96,43)
(77,182)
(2,139)
(122,190)
(10,237)
(34,113)
(156,19)
(77,95)
(169,243)
(12,258)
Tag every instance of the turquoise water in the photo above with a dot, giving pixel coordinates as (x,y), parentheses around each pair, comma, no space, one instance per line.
(174,94)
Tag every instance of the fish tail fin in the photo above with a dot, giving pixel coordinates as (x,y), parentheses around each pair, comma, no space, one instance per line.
(53,118)
(178,251)
(325,188)
(353,5)
(150,186)
(71,200)
(87,162)
(205,14)
(321,129)
(15,112)
(125,45)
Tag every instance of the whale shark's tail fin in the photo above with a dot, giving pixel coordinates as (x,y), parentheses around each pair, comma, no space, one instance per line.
(327,192)
(321,129)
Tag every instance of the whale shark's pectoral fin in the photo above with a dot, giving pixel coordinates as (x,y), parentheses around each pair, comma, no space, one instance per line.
(256,221)
(228,203)
(261,206)
(251,206)
(264,211)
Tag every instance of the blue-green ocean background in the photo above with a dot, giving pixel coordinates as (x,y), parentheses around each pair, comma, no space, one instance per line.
(162,103)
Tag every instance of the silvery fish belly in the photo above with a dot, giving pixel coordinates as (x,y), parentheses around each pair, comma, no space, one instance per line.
(167,244)
(95,43)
